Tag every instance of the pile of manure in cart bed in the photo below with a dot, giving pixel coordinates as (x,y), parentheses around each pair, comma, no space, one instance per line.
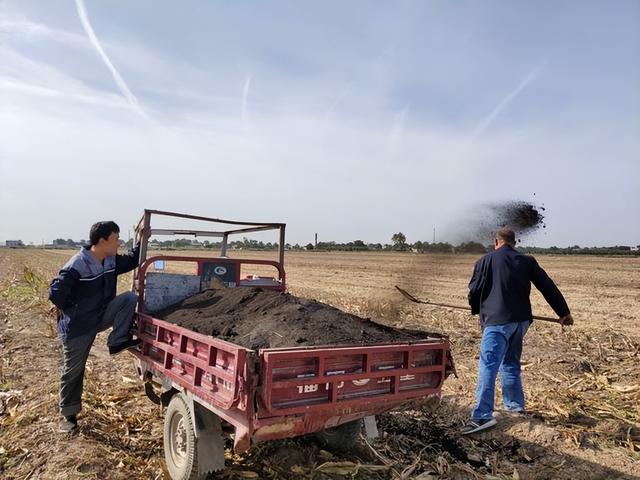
(256,318)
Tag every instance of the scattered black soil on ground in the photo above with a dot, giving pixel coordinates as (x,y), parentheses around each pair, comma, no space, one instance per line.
(435,439)
(256,318)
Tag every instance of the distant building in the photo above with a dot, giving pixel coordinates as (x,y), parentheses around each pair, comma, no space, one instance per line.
(14,243)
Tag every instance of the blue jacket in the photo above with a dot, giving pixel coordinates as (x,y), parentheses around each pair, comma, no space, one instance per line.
(501,284)
(84,287)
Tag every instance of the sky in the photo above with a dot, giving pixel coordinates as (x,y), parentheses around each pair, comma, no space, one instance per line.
(355,120)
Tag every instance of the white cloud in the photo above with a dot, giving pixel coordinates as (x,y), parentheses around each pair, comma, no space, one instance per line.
(245,96)
(506,100)
(16,27)
(22,76)
(124,89)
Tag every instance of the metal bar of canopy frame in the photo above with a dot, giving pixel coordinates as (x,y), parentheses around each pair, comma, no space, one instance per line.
(144,239)
(145,222)
(140,229)
(223,250)
(209,219)
(253,229)
(281,246)
(208,233)
(197,233)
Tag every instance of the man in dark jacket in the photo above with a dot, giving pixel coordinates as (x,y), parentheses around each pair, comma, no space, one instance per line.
(85,293)
(499,292)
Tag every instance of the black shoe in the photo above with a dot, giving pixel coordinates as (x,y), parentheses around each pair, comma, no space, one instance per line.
(134,342)
(478,425)
(69,425)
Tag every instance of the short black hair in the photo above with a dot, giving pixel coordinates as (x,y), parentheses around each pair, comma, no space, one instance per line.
(102,230)
(506,235)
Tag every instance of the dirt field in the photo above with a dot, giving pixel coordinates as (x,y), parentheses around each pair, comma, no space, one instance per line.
(582,384)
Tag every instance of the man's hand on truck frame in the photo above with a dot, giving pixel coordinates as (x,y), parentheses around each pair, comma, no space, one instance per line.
(144,232)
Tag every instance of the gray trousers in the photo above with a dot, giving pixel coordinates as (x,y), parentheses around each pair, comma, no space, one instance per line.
(119,315)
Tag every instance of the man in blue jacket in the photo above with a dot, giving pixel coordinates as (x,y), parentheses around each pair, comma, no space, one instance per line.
(85,293)
(499,292)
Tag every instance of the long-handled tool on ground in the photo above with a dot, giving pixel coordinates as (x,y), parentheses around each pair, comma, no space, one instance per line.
(408,296)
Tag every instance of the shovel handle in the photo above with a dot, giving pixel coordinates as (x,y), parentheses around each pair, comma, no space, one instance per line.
(408,296)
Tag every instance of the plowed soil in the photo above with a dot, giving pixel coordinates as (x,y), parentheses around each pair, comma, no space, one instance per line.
(256,318)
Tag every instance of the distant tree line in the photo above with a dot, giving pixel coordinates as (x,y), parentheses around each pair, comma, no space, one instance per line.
(418,247)
(398,244)
(184,243)
(61,242)
(576,250)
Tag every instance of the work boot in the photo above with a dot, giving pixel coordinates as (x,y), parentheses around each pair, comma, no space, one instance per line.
(69,424)
(115,349)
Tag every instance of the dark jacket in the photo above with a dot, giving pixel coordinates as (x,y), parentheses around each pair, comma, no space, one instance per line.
(84,287)
(501,284)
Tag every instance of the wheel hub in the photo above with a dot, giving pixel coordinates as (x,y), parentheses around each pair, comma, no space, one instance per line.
(179,440)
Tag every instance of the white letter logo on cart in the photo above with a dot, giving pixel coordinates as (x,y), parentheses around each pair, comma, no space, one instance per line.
(361,382)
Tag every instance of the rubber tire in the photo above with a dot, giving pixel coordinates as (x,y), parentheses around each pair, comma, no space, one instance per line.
(341,438)
(188,469)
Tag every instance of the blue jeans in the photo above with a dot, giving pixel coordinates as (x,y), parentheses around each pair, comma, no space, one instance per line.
(500,350)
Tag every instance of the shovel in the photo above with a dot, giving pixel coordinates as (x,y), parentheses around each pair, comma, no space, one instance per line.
(408,296)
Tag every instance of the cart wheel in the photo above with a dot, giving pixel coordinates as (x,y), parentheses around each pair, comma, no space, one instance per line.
(340,438)
(180,452)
